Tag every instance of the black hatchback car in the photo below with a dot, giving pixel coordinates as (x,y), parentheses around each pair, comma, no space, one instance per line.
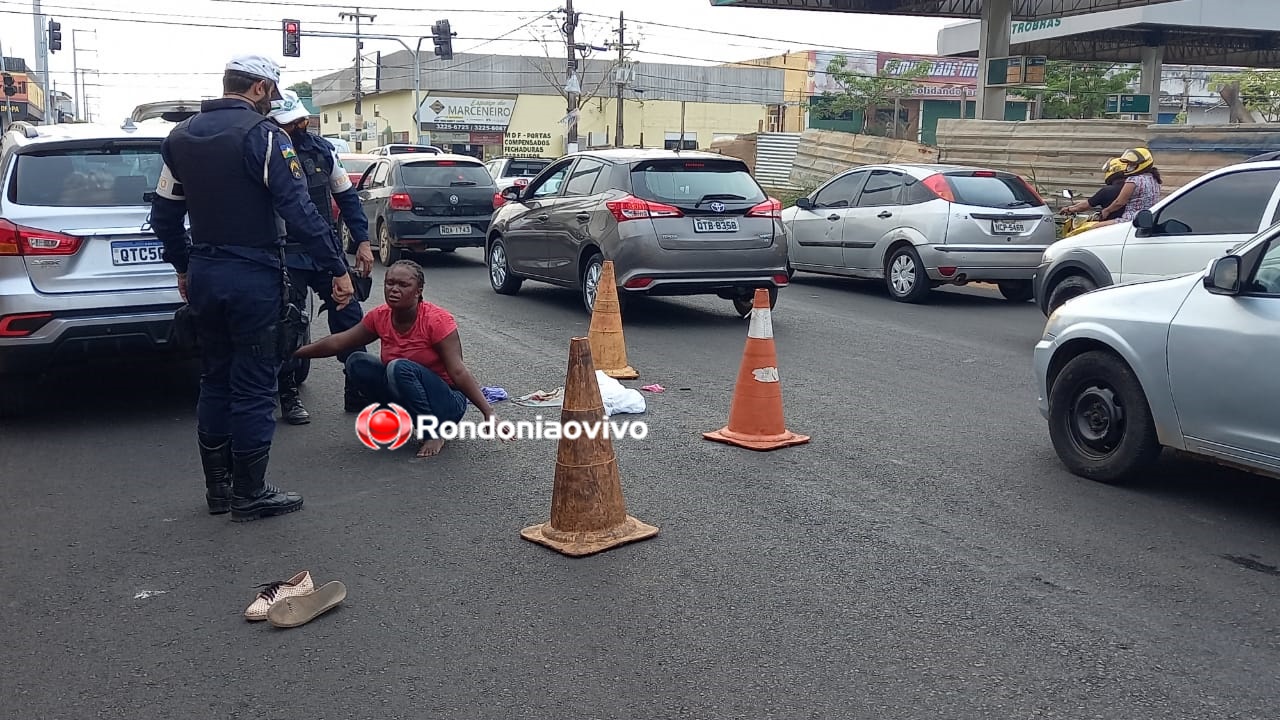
(419,202)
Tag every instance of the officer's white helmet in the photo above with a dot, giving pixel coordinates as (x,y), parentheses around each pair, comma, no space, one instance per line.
(256,65)
(289,109)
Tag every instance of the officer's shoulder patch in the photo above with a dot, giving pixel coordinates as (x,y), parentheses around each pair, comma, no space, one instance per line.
(294,167)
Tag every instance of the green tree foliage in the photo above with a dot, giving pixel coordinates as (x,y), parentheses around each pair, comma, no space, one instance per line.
(1079,92)
(303,89)
(865,93)
(1258,90)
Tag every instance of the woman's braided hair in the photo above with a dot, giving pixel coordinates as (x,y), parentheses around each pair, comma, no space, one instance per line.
(416,269)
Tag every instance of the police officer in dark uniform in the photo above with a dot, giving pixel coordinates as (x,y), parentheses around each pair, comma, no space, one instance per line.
(327,181)
(236,175)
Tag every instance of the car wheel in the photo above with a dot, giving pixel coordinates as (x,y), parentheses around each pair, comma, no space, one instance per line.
(591,272)
(745,304)
(1067,288)
(501,279)
(905,276)
(1018,291)
(386,253)
(1099,421)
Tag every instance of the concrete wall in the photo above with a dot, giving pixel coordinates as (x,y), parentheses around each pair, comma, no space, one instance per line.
(824,153)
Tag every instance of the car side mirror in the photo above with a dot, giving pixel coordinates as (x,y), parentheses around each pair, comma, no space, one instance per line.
(804,203)
(511,194)
(1144,220)
(1223,276)
(1068,194)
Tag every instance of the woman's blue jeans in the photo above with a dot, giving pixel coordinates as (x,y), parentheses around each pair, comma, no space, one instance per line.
(404,382)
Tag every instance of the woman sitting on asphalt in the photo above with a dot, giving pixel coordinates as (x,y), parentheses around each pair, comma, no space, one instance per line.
(421,365)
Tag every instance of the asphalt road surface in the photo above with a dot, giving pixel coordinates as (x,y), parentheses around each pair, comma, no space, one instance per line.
(925,556)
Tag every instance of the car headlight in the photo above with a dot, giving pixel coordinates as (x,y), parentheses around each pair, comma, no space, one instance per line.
(1055,324)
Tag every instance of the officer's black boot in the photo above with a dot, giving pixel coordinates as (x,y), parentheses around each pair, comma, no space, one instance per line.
(215,455)
(291,410)
(253,497)
(352,399)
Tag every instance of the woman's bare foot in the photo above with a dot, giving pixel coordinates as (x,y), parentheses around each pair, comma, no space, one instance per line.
(430,447)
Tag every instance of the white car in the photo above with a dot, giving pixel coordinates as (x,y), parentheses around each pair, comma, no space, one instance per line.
(1200,221)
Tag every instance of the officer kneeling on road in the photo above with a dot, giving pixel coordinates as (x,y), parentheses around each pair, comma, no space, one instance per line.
(235,174)
(326,181)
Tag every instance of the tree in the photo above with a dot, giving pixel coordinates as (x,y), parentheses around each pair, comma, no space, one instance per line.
(1252,90)
(865,93)
(556,79)
(302,88)
(1079,92)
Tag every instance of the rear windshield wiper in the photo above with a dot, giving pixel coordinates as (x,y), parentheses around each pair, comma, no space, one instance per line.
(459,183)
(718,196)
(1017,203)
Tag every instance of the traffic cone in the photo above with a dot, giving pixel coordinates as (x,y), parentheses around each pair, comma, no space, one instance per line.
(755,415)
(588,514)
(607,343)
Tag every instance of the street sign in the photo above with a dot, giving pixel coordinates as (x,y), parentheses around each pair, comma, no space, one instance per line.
(1129,104)
(1016,70)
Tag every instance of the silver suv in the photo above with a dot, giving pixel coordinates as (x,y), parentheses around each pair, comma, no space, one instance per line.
(81,274)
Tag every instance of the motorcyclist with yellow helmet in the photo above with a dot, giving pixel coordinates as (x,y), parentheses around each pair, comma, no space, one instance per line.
(1113,177)
(1141,188)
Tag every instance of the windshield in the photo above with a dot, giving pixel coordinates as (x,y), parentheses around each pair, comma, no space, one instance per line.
(1002,191)
(525,168)
(695,183)
(97,177)
(356,166)
(444,173)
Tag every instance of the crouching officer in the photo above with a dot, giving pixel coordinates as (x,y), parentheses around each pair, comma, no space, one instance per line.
(327,182)
(235,174)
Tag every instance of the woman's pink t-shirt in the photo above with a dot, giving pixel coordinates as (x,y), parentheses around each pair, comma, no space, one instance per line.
(432,325)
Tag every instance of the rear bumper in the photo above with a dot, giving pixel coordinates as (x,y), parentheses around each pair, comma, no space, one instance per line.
(725,284)
(413,231)
(74,337)
(981,262)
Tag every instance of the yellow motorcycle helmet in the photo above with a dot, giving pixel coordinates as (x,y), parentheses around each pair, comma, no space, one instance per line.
(1137,159)
(1113,167)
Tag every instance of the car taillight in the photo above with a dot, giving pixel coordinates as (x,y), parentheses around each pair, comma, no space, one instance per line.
(768,209)
(781,279)
(20,240)
(939,186)
(634,208)
(636,283)
(23,324)
(401,201)
(498,201)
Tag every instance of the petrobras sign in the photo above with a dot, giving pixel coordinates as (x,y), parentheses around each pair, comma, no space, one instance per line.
(466,114)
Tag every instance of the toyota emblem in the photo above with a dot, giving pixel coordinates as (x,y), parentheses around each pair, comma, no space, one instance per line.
(453,199)
(717,207)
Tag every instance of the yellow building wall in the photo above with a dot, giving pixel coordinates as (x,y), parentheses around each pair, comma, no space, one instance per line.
(535,127)
(796,84)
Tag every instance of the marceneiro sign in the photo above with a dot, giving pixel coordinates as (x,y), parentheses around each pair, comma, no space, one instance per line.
(466,114)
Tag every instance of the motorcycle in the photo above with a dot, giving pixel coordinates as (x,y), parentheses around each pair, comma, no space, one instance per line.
(1076,223)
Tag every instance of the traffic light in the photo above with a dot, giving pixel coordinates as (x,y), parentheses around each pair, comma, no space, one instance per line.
(10,87)
(55,35)
(442,36)
(292,38)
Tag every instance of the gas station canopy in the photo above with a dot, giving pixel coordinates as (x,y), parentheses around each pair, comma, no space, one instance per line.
(1239,33)
(966,9)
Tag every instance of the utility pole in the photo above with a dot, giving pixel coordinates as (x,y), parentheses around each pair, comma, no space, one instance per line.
(572,83)
(622,75)
(357,16)
(42,55)
(8,114)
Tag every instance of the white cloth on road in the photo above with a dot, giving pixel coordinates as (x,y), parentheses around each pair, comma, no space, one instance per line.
(617,398)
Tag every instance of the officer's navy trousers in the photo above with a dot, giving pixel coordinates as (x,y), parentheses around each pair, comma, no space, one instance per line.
(344,319)
(237,304)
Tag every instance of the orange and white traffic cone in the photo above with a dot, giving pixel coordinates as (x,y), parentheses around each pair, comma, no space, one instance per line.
(588,513)
(608,346)
(755,415)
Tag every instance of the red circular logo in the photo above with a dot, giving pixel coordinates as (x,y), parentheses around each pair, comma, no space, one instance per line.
(378,427)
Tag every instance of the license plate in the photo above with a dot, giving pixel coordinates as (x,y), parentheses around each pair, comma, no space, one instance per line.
(137,252)
(1004,227)
(715,225)
(455,229)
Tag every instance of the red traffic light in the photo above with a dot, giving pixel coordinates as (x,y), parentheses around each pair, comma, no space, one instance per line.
(291,27)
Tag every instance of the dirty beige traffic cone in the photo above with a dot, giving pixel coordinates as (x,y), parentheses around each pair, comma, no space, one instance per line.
(608,346)
(588,514)
(755,415)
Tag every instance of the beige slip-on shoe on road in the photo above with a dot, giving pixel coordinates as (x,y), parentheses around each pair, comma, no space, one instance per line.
(301,609)
(274,592)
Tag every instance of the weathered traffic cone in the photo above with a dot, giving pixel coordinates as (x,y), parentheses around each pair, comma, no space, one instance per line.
(588,514)
(755,415)
(608,345)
